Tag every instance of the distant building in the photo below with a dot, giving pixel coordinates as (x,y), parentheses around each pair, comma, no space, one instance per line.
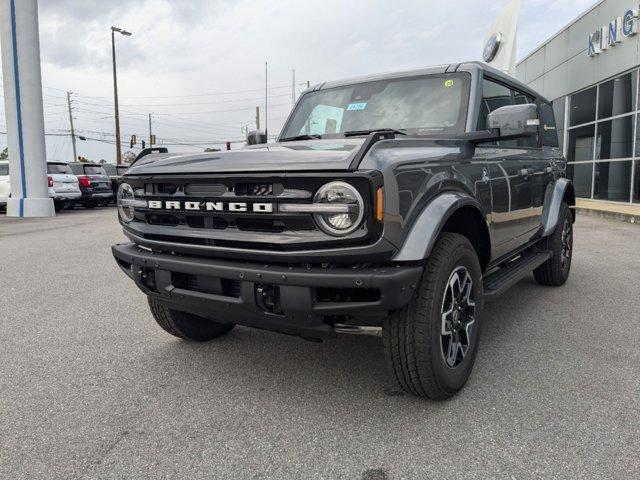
(590,72)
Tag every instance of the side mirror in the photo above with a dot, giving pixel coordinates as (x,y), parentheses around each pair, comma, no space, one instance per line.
(256,137)
(515,121)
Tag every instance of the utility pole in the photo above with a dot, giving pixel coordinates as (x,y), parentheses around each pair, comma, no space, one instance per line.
(115,90)
(73,132)
(266,102)
(150,131)
(257,118)
(293,87)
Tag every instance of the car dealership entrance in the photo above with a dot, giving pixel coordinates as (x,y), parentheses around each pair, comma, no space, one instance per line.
(590,72)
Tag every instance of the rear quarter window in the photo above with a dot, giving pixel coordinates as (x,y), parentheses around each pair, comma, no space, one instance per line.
(4,169)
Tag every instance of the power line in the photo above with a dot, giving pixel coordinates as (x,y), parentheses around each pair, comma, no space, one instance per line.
(202,103)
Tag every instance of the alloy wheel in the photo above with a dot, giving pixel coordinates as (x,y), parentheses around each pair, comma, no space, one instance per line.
(567,243)
(458,316)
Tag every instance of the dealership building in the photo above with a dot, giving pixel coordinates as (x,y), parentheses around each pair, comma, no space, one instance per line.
(590,72)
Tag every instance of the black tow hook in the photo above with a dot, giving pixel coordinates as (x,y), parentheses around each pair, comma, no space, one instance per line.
(268,299)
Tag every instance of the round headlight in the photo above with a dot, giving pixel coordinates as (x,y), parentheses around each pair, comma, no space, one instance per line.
(126,202)
(339,194)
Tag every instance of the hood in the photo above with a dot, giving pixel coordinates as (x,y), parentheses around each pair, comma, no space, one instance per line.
(308,155)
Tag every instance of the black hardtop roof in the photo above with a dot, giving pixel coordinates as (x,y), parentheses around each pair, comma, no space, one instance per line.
(471,67)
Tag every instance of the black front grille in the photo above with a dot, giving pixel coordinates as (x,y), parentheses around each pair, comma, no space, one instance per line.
(222,226)
(259,189)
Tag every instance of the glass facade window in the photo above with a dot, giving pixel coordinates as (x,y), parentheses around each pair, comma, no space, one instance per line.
(612,181)
(583,107)
(581,174)
(603,150)
(618,96)
(615,138)
(581,144)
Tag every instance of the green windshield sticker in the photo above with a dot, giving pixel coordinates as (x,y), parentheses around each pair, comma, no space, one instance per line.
(357,106)
(448,83)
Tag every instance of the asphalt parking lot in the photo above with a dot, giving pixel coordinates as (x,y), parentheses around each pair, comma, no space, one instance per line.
(90,387)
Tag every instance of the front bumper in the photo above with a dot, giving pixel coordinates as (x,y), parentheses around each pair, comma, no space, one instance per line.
(197,285)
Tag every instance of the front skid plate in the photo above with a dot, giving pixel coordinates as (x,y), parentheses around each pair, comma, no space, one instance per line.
(297,286)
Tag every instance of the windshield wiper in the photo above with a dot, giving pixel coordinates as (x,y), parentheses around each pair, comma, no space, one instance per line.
(301,137)
(355,133)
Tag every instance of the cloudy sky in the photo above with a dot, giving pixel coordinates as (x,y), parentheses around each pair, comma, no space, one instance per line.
(198,66)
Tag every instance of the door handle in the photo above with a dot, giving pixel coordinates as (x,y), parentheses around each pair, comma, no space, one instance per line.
(527,172)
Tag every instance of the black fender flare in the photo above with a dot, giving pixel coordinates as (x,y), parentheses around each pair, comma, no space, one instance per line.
(553,199)
(422,235)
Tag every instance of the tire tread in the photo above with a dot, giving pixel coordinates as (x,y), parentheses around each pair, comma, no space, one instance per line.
(186,325)
(406,332)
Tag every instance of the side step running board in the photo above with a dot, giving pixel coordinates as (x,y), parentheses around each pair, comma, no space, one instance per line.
(498,282)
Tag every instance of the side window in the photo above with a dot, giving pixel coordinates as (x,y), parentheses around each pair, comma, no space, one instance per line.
(494,96)
(548,126)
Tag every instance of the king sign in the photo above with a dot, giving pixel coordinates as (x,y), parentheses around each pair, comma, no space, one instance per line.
(618,29)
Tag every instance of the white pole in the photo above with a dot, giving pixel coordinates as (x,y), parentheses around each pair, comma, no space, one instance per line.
(23,109)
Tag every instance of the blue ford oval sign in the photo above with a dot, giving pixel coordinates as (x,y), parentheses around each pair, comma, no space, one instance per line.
(491,47)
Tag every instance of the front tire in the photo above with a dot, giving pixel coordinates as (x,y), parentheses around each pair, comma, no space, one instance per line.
(187,325)
(430,345)
(555,271)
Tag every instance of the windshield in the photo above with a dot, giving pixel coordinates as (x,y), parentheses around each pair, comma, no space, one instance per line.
(59,168)
(421,105)
(110,169)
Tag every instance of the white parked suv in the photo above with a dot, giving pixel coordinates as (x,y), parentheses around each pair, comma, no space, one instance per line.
(63,185)
(5,186)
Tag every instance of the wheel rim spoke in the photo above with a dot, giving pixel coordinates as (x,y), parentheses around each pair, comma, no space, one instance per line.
(458,317)
(567,239)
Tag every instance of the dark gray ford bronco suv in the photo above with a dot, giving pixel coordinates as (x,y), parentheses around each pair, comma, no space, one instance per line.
(398,201)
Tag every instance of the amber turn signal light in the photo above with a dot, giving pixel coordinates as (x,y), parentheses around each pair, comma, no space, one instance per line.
(379,204)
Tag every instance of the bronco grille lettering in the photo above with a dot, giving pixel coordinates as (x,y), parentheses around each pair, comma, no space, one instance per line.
(211,206)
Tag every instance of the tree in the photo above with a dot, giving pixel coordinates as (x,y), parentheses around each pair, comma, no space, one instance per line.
(128,156)
(4,154)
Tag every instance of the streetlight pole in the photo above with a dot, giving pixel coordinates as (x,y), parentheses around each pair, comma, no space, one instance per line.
(115,90)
